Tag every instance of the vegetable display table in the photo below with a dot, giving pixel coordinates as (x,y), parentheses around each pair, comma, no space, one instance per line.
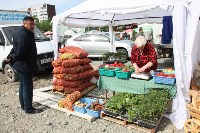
(135,86)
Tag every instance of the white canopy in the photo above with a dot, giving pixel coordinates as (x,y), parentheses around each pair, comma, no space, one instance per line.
(192,42)
(69,32)
(98,13)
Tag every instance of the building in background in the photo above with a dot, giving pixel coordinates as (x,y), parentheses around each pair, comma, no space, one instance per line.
(43,11)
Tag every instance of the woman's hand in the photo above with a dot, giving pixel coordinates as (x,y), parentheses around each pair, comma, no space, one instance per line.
(136,67)
(141,69)
(137,70)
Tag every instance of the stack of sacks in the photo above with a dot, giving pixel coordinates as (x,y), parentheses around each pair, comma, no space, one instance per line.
(72,70)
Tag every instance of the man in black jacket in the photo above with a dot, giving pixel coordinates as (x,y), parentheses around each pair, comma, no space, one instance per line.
(23,58)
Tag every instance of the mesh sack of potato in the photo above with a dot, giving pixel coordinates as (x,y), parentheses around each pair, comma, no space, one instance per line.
(76,51)
(79,88)
(76,62)
(63,82)
(75,77)
(57,62)
(71,70)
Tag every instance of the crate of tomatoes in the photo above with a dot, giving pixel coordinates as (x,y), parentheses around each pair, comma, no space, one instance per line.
(164,78)
(109,69)
(125,72)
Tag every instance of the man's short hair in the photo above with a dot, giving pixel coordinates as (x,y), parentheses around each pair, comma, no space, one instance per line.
(28,18)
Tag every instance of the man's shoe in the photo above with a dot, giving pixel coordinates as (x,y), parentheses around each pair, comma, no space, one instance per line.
(34,111)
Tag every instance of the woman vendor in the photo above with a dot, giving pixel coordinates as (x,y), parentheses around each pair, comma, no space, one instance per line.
(143,56)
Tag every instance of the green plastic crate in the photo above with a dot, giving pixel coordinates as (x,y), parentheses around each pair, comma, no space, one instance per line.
(123,75)
(108,73)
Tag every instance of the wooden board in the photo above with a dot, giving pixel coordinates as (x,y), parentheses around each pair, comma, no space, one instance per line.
(124,122)
(194,115)
(191,92)
(58,92)
(192,109)
(88,89)
(47,96)
(117,120)
(43,89)
(192,126)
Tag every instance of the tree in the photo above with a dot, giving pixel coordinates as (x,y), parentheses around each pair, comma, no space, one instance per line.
(44,25)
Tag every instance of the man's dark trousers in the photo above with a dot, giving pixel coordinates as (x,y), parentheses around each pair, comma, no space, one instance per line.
(26,91)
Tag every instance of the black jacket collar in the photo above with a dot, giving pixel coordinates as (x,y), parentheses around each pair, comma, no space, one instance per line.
(28,31)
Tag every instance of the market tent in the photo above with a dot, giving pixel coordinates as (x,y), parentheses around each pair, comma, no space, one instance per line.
(96,13)
(69,32)
(110,13)
(192,42)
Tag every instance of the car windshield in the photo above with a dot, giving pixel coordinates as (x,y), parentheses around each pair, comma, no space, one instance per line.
(116,38)
(9,31)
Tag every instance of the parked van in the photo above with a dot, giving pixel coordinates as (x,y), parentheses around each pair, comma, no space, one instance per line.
(44,50)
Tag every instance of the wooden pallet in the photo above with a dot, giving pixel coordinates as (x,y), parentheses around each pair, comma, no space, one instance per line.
(58,92)
(44,89)
(192,126)
(125,123)
(193,109)
(50,100)
(117,119)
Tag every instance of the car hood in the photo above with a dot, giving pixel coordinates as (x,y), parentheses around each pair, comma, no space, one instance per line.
(44,47)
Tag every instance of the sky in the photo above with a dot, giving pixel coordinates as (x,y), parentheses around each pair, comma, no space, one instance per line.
(60,5)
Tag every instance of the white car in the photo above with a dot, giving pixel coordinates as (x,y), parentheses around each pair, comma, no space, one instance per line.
(97,44)
(44,50)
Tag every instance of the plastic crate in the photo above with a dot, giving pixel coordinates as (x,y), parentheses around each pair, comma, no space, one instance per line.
(123,75)
(80,110)
(92,112)
(83,100)
(108,73)
(164,80)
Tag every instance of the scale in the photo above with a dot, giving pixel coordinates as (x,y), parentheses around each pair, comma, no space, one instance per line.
(143,75)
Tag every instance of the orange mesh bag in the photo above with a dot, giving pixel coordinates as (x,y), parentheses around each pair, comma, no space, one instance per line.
(76,51)
(67,56)
(74,77)
(57,62)
(96,73)
(62,82)
(58,88)
(79,88)
(75,62)
(72,70)
(70,99)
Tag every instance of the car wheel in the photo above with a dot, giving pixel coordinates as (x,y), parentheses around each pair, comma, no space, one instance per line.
(125,57)
(10,74)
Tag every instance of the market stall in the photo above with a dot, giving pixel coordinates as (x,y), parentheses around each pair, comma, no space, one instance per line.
(134,86)
(116,12)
